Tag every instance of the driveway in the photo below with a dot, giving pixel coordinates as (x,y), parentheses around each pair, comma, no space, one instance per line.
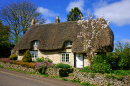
(14,78)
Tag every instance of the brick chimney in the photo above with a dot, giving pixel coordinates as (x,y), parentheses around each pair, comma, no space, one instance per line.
(57,19)
(33,22)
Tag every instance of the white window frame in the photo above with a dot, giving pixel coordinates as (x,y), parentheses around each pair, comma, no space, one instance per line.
(34,54)
(65,57)
(69,43)
(35,43)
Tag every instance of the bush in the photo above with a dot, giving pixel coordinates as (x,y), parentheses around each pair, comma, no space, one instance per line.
(24,64)
(48,60)
(85,69)
(61,65)
(5,60)
(101,67)
(13,57)
(42,66)
(40,59)
(27,57)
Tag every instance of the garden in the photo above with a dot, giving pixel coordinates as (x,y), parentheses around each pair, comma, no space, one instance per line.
(112,65)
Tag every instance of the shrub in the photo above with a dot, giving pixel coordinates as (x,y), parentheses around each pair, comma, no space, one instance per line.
(101,67)
(61,65)
(40,59)
(41,68)
(27,57)
(85,69)
(48,60)
(5,60)
(24,64)
(13,57)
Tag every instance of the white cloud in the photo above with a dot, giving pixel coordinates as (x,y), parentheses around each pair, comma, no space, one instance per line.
(125,41)
(77,3)
(117,12)
(48,21)
(99,4)
(46,12)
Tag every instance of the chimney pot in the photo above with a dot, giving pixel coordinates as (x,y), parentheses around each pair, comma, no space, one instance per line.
(33,22)
(57,19)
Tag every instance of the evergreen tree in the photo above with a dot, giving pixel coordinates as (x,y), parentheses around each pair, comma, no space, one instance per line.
(74,14)
(5,44)
(27,57)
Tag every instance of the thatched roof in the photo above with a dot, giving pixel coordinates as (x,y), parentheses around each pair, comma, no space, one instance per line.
(53,36)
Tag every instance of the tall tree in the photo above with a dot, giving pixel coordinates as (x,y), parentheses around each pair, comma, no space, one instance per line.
(74,15)
(4,32)
(5,44)
(18,16)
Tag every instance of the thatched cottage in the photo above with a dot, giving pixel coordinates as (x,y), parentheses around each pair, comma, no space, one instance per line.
(58,41)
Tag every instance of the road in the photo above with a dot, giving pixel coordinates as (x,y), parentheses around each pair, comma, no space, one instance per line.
(14,78)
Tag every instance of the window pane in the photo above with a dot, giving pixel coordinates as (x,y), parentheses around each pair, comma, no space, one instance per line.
(63,57)
(67,57)
(36,42)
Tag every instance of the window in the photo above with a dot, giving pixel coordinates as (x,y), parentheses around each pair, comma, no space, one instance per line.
(64,57)
(34,54)
(68,44)
(35,43)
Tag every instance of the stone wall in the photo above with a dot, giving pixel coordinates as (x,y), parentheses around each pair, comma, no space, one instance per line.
(58,71)
(99,79)
(17,67)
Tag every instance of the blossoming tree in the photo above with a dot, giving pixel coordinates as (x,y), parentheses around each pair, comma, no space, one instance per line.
(90,33)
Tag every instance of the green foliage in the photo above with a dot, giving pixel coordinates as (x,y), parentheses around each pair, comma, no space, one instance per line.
(61,65)
(1,66)
(74,14)
(42,68)
(13,57)
(85,69)
(5,44)
(121,56)
(91,75)
(48,60)
(121,72)
(103,67)
(27,57)
(45,75)
(85,83)
(64,79)
(75,80)
(40,59)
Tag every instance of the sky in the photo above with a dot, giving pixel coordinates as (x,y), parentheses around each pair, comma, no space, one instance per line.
(116,10)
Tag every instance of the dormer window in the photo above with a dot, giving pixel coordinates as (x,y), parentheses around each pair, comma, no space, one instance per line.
(68,44)
(35,44)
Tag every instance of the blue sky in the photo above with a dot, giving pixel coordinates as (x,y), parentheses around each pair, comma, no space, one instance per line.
(118,12)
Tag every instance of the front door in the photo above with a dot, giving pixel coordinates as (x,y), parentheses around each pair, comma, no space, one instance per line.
(79,60)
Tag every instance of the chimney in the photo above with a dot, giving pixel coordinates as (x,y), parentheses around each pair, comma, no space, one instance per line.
(57,19)
(33,22)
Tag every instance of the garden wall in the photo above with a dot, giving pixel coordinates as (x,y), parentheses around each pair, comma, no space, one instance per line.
(17,67)
(99,79)
(50,71)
